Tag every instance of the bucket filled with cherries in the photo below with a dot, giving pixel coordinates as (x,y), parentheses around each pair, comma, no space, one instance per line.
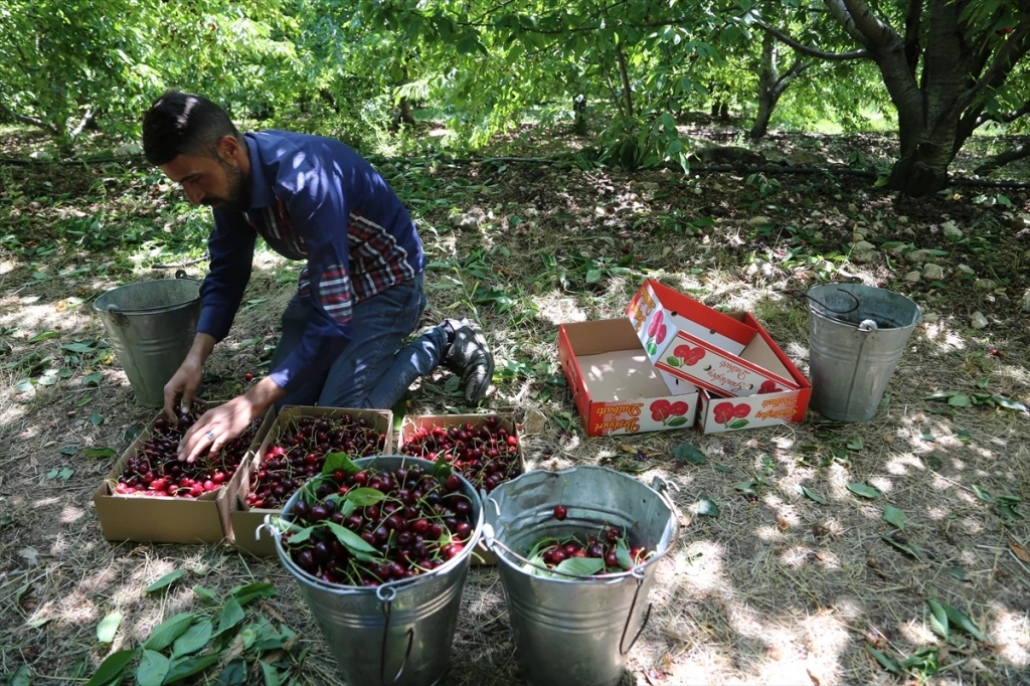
(380,548)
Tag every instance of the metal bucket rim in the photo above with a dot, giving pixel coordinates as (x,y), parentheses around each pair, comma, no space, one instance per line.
(819,309)
(400,584)
(146,310)
(614,577)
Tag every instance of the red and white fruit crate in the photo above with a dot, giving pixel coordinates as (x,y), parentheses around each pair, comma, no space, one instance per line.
(149,496)
(613,384)
(485,448)
(725,354)
(746,381)
(294,451)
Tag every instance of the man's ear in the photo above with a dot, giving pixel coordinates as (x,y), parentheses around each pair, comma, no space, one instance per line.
(229,149)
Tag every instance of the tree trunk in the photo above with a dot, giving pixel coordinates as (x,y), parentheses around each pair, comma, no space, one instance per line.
(579,106)
(766,82)
(928,132)
(627,90)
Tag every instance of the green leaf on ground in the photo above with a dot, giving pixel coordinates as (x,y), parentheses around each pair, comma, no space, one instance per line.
(938,619)
(232,614)
(961,620)
(689,454)
(112,667)
(707,507)
(959,573)
(959,400)
(906,548)
(964,436)
(864,490)
(812,495)
(43,336)
(92,379)
(206,595)
(167,631)
(167,580)
(855,444)
(184,668)
(257,590)
(748,487)
(270,675)
(1009,404)
(888,663)
(894,516)
(153,669)
(23,677)
(69,450)
(98,453)
(96,419)
(108,627)
(195,638)
(983,494)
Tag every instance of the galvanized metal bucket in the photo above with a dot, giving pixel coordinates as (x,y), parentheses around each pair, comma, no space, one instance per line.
(397,633)
(856,337)
(576,629)
(151,324)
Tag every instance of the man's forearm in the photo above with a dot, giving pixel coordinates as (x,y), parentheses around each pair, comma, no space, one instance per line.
(264,393)
(203,344)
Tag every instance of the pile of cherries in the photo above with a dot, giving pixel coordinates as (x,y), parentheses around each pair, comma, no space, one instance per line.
(487,455)
(155,468)
(610,547)
(298,453)
(368,527)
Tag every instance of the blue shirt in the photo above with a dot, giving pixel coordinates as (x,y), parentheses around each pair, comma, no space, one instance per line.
(312,199)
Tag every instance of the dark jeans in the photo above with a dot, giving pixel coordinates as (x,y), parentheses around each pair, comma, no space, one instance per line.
(373,371)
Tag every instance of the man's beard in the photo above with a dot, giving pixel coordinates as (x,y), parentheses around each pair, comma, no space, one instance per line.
(236,196)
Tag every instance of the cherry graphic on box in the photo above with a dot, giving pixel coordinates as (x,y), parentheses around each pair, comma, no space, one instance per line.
(769,386)
(656,333)
(684,355)
(732,416)
(669,413)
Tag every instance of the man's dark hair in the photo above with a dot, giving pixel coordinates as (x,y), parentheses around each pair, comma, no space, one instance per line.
(183,124)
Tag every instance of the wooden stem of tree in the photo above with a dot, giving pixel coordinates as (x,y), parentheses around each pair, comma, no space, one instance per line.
(808,50)
(627,90)
(1000,160)
(82,123)
(913,23)
(31,121)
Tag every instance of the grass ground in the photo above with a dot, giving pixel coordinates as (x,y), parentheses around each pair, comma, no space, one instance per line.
(777,589)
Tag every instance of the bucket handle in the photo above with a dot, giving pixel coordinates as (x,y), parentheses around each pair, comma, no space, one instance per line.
(629,618)
(830,309)
(386,594)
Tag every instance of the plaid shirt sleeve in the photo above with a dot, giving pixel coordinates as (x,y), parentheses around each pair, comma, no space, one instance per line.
(319,210)
(231,246)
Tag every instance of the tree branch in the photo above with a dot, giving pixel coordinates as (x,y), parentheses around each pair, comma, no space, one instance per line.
(807,50)
(1000,160)
(913,19)
(82,123)
(31,121)
(858,20)
(1015,48)
(795,71)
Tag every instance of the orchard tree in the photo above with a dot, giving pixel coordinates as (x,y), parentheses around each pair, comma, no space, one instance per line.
(946,65)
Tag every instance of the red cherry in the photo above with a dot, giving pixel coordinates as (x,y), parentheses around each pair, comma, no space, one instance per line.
(560,512)
(248,377)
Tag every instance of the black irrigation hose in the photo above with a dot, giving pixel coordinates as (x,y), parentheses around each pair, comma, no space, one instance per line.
(710,169)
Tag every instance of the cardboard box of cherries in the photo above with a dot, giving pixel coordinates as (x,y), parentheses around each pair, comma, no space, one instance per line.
(294,451)
(485,448)
(150,496)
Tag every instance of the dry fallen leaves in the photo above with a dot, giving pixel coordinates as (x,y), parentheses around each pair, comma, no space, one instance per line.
(1020,552)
